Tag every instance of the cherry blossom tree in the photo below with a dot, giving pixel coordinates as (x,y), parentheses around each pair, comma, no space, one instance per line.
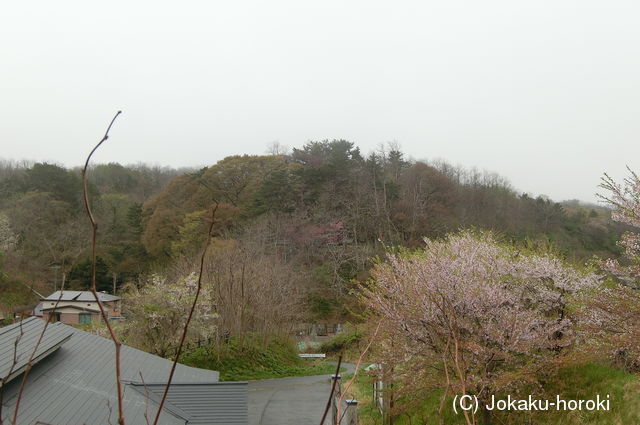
(625,200)
(612,315)
(471,313)
(8,238)
(157,311)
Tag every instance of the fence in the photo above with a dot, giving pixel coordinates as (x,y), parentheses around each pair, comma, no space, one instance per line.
(348,412)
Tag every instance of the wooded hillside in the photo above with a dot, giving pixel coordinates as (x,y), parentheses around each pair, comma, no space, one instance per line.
(323,210)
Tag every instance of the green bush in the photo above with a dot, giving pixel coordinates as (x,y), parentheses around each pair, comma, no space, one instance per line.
(342,341)
(255,357)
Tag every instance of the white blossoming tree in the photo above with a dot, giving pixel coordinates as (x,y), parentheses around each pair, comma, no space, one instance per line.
(157,311)
(613,314)
(472,313)
(625,200)
(8,238)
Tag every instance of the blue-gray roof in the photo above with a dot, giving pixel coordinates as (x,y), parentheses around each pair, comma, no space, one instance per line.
(75,384)
(84,296)
(18,342)
(202,404)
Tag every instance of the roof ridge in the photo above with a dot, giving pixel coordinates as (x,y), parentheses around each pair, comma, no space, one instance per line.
(14,325)
(170,407)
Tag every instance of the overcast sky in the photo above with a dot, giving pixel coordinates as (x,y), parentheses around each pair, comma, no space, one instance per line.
(545,93)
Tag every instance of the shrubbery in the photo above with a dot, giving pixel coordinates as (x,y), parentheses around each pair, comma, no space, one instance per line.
(255,357)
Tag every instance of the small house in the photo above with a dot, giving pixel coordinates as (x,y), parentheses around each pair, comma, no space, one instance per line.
(79,307)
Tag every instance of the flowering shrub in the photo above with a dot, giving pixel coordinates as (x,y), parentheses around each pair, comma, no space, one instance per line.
(613,314)
(471,312)
(625,200)
(157,311)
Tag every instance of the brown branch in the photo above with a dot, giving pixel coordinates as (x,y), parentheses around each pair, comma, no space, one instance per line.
(27,369)
(3,381)
(355,372)
(193,307)
(146,399)
(103,314)
(333,389)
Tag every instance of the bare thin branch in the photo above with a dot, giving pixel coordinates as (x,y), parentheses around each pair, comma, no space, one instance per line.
(4,380)
(94,227)
(146,399)
(193,307)
(333,389)
(355,372)
(27,369)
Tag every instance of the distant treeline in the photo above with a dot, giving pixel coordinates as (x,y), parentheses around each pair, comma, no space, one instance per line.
(325,208)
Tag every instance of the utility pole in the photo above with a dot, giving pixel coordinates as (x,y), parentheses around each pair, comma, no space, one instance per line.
(55,268)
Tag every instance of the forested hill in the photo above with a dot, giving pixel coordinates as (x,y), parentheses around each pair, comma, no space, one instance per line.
(325,208)
(329,187)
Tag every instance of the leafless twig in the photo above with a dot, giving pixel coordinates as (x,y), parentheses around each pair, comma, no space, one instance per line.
(193,307)
(94,227)
(355,372)
(333,389)
(146,399)
(3,381)
(27,369)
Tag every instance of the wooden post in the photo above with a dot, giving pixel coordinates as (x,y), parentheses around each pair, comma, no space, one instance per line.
(351,412)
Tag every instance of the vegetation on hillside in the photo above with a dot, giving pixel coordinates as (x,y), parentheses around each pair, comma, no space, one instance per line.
(255,357)
(324,209)
(326,233)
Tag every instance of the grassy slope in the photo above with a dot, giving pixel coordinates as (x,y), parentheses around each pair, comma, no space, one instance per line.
(256,359)
(577,382)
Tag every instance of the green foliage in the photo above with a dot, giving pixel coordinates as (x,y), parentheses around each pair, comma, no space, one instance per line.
(583,381)
(319,306)
(343,341)
(255,357)
(279,192)
(80,275)
(191,234)
(64,185)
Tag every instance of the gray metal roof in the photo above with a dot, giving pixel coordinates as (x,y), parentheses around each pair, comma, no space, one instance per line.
(81,296)
(74,307)
(202,404)
(18,341)
(75,384)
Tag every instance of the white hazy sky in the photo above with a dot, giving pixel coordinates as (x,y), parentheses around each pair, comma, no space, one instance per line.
(544,92)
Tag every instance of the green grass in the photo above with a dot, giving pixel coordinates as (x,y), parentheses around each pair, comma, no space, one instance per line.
(583,381)
(256,358)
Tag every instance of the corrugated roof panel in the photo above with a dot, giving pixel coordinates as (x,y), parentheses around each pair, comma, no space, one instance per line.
(212,403)
(65,296)
(81,296)
(76,384)
(88,296)
(18,341)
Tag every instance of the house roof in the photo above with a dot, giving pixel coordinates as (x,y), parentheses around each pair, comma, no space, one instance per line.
(210,404)
(83,296)
(75,383)
(75,307)
(14,357)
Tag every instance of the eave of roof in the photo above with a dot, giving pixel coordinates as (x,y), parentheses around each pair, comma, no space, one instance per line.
(75,307)
(80,296)
(30,338)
